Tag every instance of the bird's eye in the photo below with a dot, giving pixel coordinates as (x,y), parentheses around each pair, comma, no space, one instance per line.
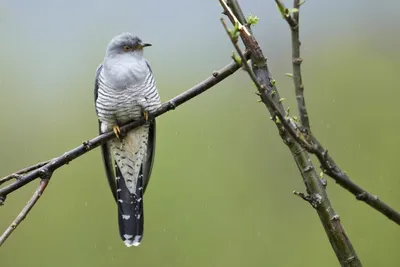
(127,48)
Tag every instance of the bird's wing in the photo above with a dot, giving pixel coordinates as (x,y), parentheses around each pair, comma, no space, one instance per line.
(147,164)
(151,146)
(105,149)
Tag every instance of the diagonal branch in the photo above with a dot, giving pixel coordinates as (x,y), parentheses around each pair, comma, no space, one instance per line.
(44,170)
(56,163)
(17,174)
(328,165)
(22,215)
(315,188)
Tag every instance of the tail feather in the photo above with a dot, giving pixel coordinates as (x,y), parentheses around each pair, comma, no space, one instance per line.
(130,210)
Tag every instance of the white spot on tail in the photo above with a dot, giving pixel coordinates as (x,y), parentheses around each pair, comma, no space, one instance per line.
(135,242)
(119,190)
(120,201)
(127,237)
(126,217)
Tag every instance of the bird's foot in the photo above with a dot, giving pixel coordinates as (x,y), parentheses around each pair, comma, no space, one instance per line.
(117,131)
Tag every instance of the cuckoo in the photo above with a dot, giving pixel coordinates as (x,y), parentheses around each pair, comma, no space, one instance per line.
(125,90)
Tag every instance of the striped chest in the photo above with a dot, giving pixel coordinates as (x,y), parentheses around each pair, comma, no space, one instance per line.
(119,106)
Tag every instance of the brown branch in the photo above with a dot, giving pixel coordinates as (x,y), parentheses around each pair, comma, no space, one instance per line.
(22,215)
(293,21)
(315,188)
(313,146)
(18,174)
(46,169)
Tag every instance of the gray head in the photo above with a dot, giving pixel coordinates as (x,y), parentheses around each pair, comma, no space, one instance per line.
(123,63)
(126,44)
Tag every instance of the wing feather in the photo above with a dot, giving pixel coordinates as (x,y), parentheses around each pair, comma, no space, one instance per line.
(105,149)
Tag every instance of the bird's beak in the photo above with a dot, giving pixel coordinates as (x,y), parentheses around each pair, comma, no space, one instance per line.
(146,44)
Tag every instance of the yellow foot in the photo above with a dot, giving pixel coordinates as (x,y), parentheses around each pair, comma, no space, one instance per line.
(146,115)
(117,131)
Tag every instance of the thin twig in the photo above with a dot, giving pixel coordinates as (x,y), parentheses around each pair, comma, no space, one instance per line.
(21,216)
(316,190)
(87,146)
(293,21)
(286,14)
(17,174)
(328,165)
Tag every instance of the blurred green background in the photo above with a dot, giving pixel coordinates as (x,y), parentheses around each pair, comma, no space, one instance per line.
(221,189)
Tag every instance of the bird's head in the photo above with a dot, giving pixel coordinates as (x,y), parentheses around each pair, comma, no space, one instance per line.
(126,44)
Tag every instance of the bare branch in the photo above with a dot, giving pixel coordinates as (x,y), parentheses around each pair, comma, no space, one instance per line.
(18,174)
(287,14)
(329,167)
(288,130)
(22,215)
(313,146)
(293,21)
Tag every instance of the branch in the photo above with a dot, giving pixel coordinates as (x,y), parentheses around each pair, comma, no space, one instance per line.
(292,19)
(87,146)
(328,165)
(288,132)
(44,170)
(21,216)
(17,174)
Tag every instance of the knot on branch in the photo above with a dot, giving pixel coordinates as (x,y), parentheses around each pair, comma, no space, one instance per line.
(351,259)
(172,105)
(297,60)
(87,145)
(308,168)
(335,217)
(315,200)
(45,173)
(364,196)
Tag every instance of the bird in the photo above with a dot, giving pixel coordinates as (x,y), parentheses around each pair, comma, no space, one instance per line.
(125,90)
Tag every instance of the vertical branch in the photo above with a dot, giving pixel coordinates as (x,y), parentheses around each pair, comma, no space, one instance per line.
(328,165)
(292,18)
(296,63)
(288,131)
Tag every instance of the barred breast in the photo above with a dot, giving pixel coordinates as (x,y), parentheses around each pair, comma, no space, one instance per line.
(115,106)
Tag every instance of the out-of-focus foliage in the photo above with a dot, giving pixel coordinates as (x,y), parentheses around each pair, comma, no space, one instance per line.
(220,193)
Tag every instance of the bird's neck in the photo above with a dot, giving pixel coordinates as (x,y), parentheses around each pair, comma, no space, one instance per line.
(123,71)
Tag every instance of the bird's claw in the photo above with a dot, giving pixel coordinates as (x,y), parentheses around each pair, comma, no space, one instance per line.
(117,131)
(146,115)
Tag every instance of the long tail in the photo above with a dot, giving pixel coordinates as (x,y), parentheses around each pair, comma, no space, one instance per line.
(130,210)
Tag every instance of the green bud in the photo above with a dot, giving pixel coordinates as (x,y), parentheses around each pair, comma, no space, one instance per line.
(252,20)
